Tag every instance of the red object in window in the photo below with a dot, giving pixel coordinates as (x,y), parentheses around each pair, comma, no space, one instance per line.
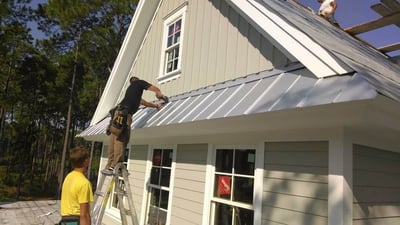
(177,28)
(224,185)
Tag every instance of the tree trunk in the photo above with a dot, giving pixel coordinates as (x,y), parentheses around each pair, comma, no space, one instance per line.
(67,129)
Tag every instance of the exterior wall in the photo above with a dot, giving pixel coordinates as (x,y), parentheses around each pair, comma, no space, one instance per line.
(218,45)
(295,183)
(188,190)
(137,171)
(376,186)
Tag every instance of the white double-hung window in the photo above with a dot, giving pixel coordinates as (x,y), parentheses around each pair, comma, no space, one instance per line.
(234,175)
(159,186)
(171,56)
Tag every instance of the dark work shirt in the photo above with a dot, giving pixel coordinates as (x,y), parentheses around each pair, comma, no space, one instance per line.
(133,95)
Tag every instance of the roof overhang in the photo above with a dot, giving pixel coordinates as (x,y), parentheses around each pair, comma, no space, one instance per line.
(287,98)
(119,76)
(359,115)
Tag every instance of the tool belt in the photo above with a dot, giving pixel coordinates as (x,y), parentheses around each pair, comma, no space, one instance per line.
(119,116)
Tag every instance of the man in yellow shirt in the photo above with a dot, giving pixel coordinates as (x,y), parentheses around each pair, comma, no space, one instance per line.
(77,193)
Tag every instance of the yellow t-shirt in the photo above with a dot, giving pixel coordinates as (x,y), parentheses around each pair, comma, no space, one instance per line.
(76,189)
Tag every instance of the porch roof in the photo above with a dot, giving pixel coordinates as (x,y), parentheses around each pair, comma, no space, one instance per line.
(279,89)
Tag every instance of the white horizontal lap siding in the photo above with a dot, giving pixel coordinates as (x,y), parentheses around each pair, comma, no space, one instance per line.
(376,184)
(295,183)
(137,169)
(188,193)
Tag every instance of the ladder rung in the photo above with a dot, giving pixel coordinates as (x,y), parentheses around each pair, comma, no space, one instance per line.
(99,193)
(106,183)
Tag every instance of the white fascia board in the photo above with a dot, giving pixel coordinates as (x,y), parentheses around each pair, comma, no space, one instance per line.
(290,40)
(124,61)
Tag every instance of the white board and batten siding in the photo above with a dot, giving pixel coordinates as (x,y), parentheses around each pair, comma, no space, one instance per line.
(376,186)
(295,183)
(218,45)
(189,184)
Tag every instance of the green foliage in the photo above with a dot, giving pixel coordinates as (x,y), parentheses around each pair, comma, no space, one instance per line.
(36,83)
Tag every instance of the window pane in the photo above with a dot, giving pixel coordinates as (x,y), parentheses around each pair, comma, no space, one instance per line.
(223,214)
(155,197)
(243,216)
(165,177)
(157,157)
(223,186)
(155,176)
(169,41)
(244,161)
(170,30)
(177,37)
(162,218)
(224,161)
(167,158)
(169,67)
(176,53)
(157,216)
(164,199)
(175,64)
(153,215)
(243,189)
(170,55)
(178,25)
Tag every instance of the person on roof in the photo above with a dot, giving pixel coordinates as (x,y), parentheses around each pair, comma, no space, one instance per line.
(122,119)
(327,10)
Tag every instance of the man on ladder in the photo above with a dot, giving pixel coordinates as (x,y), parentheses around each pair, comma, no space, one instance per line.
(119,131)
(119,128)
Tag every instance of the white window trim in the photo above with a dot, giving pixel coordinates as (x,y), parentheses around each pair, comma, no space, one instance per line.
(208,212)
(149,164)
(162,77)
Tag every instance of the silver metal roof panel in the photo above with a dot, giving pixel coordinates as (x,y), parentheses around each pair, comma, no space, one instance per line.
(375,67)
(255,93)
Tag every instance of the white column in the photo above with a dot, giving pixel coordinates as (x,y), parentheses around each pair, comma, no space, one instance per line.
(340,199)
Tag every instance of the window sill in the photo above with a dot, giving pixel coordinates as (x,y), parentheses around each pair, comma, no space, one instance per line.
(170,76)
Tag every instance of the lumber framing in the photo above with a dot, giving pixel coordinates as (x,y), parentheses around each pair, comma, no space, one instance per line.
(374,24)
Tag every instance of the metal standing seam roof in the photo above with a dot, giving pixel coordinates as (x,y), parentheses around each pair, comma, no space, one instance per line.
(376,68)
(278,89)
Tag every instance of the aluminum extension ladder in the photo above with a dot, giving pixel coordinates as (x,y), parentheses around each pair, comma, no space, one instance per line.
(103,191)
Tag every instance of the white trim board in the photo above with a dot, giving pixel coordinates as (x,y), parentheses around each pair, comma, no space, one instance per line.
(293,42)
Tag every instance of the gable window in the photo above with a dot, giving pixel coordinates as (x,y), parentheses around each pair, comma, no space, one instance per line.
(159,186)
(232,201)
(171,56)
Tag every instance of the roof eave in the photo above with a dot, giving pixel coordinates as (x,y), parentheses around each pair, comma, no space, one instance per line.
(126,57)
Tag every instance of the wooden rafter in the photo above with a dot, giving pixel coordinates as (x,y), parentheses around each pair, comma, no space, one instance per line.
(392,4)
(390,12)
(387,7)
(374,24)
(390,48)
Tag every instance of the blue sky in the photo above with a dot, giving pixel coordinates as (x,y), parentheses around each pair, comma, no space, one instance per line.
(354,12)
(348,14)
